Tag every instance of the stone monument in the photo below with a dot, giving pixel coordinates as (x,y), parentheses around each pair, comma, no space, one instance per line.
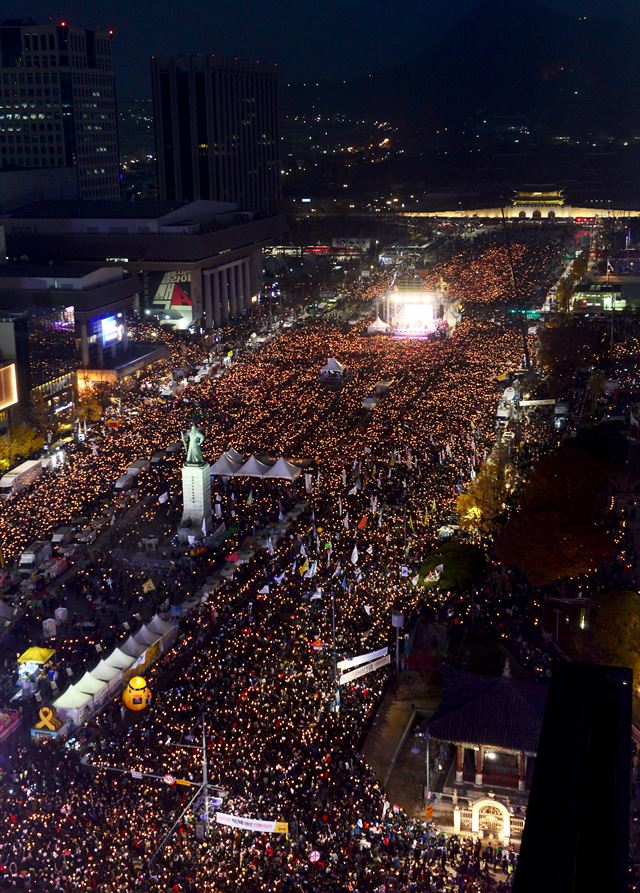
(196,489)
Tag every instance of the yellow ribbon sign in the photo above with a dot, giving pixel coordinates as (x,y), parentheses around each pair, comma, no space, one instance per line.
(48,720)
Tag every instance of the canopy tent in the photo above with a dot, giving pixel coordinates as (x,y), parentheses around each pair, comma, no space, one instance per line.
(146,636)
(252,468)
(284,469)
(332,367)
(90,685)
(74,704)
(378,327)
(225,465)
(36,655)
(160,626)
(106,672)
(133,647)
(235,456)
(72,699)
(119,659)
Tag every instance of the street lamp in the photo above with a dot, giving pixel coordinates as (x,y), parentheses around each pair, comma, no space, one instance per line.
(397,622)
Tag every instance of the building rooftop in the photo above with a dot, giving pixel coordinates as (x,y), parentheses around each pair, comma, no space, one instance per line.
(52,271)
(494,710)
(98,210)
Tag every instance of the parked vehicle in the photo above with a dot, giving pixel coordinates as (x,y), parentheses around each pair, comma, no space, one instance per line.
(34,556)
(139,465)
(20,478)
(61,536)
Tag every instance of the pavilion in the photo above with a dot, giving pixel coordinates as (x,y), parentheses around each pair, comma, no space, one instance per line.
(492,727)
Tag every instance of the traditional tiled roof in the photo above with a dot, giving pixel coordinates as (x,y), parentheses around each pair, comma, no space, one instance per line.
(497,711)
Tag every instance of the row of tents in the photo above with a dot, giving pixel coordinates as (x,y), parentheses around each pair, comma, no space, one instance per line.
(98,686)
(233,464)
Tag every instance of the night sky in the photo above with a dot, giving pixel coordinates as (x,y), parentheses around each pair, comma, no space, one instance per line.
(308,39)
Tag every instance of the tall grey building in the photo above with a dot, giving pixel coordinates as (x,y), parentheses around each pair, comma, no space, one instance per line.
(58,104)
(216,123)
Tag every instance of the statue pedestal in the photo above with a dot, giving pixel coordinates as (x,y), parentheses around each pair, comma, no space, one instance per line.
(196,495)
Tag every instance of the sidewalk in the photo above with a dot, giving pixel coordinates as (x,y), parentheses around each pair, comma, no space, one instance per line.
(391,748)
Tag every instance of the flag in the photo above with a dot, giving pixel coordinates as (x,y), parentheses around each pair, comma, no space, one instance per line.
(304,567)
(344,582)
(425,520)
(370,549)
(316,595)
(354,555)
(279,578)
(411,524)
(311,572)
(362,523)
(264,591)
(250,498)
(163,497)
(269,545)
(340,505)
(303,551)
(415,580)
(336,571)
(204,526)
(433,505)
(148,586)
(367,610)
(353,490)
(345,521)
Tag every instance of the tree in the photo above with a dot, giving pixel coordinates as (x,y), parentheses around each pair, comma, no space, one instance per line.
(20,443)
(89,408)
(481,506)
(554,534)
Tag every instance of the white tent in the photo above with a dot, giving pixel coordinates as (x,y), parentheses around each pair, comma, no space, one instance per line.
(284,469)
(106,672)
(252,468)
(119,659)
(235,456)
(74,704)
(71,699)
(146,636)
(90,685)
(160,626)
(378,327)
(333,367)
(109,674)
(133,647)
(225,465)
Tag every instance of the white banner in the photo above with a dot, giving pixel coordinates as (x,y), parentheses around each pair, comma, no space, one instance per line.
(362,659)
(363,670)
(260,825)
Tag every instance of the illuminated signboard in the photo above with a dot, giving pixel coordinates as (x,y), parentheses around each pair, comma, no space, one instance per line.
(111,330)
(8,386)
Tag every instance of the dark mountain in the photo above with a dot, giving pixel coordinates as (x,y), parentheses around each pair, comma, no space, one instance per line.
(566,75)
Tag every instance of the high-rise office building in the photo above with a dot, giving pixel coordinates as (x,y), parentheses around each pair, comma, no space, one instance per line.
(216,123)
(58,105)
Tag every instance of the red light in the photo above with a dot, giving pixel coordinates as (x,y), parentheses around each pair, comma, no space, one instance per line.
(63,24)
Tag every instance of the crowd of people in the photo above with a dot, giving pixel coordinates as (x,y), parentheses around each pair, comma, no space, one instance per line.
(256,663)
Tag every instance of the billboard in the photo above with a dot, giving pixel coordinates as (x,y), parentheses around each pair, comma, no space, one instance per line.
(111,330)
(8,386)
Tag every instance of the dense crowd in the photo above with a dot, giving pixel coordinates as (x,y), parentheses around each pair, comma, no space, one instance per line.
(257,661)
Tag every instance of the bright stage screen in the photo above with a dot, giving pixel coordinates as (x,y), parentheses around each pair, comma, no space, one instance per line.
(414,313)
